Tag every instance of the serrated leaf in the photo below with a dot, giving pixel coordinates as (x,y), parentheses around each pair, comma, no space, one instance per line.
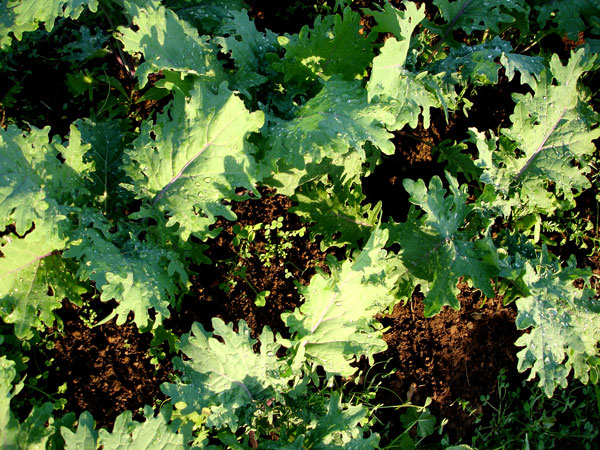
(106,141)
(34,279)
(36,430)
(550,141)
(438,247)
(328,132)
(155,432)
(167,43)
(470,15)
(476,64)
(333,46)
(225,375)
(193,158)
(335,325)
(400,23)
(138,275)
(85,437)
(529,67)
(405,95)
(33,179)
(338,214)
(564,323)
(569,17)
(18,17)
(248,48)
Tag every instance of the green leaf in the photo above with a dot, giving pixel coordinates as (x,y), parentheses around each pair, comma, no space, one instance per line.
(569,17)
(333,46)
(441,245)
(338,214)
(34,280)
(564,323)
(400,23)
(167,43)
(37,428)
(404,94)
(470,15)
(328,132)
(193,158)
(155,432)
(85,437)
(107,141)
(18,17)
(549,142)
(33,179)
(529,67)
(138,275)
(223,373)
(335,325)
(247,47)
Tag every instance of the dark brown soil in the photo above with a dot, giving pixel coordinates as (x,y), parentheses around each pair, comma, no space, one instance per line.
(107,368)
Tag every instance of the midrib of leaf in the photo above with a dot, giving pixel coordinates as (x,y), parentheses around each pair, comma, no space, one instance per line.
(448,30)
(239,383)
(208,144)
(541,146)
(37,258)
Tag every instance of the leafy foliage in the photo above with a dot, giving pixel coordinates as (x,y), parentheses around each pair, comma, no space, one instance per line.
(193,157)
(564,322)
(123,208)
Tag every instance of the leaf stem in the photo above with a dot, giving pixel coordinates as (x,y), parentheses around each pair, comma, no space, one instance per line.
(447,32)
(541,147)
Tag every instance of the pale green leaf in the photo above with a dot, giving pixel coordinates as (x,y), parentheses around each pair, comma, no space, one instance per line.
(85,437)
(154,433)
(138,275)
(400,23)
(224,374)
(328,132)
(549,142)
(335,325)
(193,158)
(405,94)
(18,17)
(564,324)
(167,43)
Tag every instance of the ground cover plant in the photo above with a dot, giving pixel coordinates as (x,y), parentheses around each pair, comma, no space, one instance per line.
(223,228)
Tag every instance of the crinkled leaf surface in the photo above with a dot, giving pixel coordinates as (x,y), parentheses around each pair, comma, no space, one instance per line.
(569,17)
(550,140)
(338,428)
(328,131)
(18,17)
(338,214)
(248,48)
(33,181)
(34,280)
(37,428)
(333,46)
(155,432)
(138,275)
(224,374)
(194,158)
(473,15)
(335,325)
(438,247)
(167,43)
(405,94)
(564,323)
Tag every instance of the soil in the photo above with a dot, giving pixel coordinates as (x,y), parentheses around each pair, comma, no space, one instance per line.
(453,358)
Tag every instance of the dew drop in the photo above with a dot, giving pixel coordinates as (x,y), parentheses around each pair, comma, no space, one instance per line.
(270,354)
(207,179)
(338,303)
